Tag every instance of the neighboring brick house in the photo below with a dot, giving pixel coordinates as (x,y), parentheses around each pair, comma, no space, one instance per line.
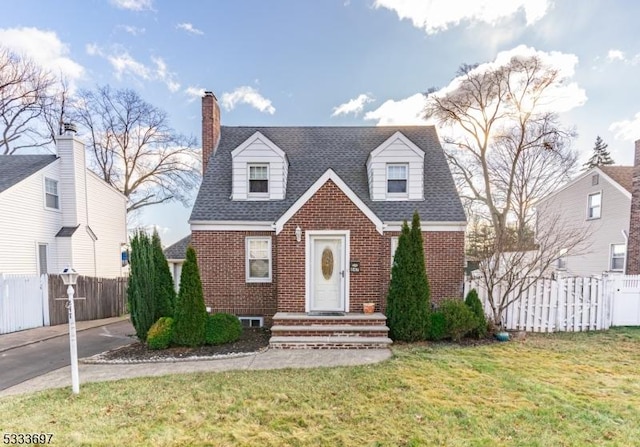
(633,252)
(295,226)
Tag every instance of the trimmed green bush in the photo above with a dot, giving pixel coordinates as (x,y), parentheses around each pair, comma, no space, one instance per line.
(408,299)
(164,293)
(436,326)
(141,285)
(459,318)
(160,334)
(190,314)
(473,302)
(222,328)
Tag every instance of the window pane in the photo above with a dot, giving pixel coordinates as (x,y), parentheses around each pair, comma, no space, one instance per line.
(51,186)
(258,249)
(258,268)
(257,172)
(595,199)
(618,250)
(397,173)
(397,186)
(617,263)
(42,255)
(259,186)
(51,201)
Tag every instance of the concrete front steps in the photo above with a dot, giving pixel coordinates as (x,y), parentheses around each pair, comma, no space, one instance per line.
(316,331)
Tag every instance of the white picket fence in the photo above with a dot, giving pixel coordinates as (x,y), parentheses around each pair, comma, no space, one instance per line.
(569,304)
(24,302)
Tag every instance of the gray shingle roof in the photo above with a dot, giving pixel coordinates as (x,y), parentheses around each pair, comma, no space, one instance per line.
(15,168)
(179,249)
(310,152)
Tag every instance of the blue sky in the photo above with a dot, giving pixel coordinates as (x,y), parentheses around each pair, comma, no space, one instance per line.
(332,62)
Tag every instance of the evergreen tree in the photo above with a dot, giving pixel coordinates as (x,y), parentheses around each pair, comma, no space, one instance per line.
(141,285)
(164,293)
(600,157)
(408,298)
(473,302)
(190,314)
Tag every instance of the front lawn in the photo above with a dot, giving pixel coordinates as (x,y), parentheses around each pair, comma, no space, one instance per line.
(548,390)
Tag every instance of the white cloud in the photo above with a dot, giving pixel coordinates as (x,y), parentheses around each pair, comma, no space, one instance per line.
(613,55)
(44,48)
(247,95)
(438,15)
(133,30)
(403,112)
(626,130)
(354,106)
(194,93)
(125,65)
(188,27)
(133,5)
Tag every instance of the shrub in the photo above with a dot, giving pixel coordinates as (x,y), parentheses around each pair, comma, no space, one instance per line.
(408,298)
(436,326)
(473,302)
(141,285)
(164,294)
(160,334)
(190,313)
(222,328)
(459,318)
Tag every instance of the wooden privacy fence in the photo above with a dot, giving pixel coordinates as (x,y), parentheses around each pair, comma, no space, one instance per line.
(23,302)
(103,298)
(565,304)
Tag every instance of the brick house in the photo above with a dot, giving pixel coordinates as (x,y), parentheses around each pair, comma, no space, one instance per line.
(295,227)
(633,249)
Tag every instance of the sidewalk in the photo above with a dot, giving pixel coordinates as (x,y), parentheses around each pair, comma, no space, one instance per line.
(29,336)
(270,359)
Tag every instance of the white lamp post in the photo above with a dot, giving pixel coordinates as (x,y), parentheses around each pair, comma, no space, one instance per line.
(69,278)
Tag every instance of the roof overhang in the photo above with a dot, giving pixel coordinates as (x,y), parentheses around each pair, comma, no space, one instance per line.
(329,174)
(231,225)
(428,226)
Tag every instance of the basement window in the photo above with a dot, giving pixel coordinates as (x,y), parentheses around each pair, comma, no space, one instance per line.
(251,321)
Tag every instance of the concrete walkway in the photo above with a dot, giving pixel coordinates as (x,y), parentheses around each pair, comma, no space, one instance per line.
(270,359)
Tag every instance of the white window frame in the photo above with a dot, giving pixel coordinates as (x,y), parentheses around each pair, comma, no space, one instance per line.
(46,254)
(386,183)
(248,276)
(611,258)
(590,207)
(260,321)
(46,193)
(258,194)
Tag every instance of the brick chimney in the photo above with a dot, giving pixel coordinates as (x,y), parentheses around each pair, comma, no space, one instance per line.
(210,127)
(633,248)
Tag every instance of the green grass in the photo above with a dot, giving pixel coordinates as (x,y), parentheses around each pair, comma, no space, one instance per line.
(548,390)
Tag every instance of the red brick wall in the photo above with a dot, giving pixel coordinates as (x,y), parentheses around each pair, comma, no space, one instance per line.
(329,209)
(444,259)
(633,251)
(221,259)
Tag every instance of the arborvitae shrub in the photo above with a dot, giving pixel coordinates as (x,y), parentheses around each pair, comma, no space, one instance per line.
(222,328)
(164,293)
(473,302)
(408,298)
(160,334)
(190,313)
(458,317)
(436,326)
(141,285)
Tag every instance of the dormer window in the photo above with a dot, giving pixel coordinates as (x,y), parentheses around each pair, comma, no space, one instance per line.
(258,180)
(397,175)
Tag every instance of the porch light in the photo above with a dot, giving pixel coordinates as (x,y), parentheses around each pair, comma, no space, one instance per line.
(298,233)
(69,276)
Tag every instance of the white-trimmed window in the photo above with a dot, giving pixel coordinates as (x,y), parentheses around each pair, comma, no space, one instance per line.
(51,197)
(258,179)
(618,252)
(258,257)
(394,247)
(43,263)
(561,262)
(594,205)
(397,179)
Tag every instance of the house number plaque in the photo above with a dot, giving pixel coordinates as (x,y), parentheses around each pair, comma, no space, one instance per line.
(355,266)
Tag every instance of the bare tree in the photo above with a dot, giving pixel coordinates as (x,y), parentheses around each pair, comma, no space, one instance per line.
(133,148)
(25,96)
(507,149)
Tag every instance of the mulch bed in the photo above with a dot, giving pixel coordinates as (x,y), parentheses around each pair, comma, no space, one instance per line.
(251,340)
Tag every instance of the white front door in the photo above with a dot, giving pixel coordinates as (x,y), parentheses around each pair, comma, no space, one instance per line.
(327,273)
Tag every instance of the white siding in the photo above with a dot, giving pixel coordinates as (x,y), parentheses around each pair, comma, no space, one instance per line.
(25,222)
(395,151)
(259,151)
(107,218)
(571,205)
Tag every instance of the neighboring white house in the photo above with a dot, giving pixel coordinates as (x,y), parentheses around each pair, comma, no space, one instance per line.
(176,255)
(54,212)
(599,201)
